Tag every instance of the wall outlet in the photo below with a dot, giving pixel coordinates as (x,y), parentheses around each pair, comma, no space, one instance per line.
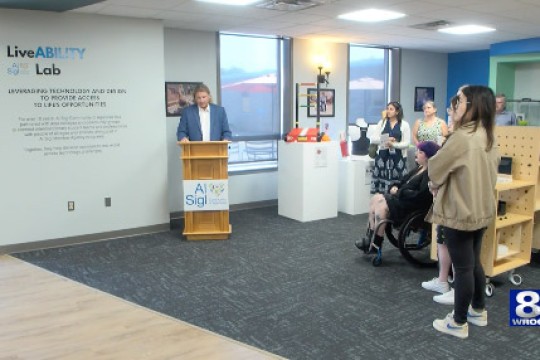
(71,205)
(107,201)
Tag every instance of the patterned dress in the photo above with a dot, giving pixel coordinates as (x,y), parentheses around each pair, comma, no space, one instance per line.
(429,133)
(390,165)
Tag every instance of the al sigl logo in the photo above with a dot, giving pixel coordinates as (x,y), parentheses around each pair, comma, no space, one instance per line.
(206,193)
(524,307)
(41,52)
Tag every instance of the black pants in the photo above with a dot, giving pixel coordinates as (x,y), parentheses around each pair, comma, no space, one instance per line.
(469,278)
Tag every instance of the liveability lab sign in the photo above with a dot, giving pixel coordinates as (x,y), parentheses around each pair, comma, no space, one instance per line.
(41,52)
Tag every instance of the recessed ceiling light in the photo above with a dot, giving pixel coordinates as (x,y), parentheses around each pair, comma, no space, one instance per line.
(371,15)
(466,29)
(230,2)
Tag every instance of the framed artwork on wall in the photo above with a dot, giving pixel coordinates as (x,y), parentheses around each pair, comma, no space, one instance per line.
(178,95)
(421,95)
(326,103)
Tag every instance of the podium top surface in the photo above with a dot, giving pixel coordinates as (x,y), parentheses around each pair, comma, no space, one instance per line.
(202,142)
(204,149)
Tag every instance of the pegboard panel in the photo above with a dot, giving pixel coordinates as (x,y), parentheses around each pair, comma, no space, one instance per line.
(518,201)
(522,143)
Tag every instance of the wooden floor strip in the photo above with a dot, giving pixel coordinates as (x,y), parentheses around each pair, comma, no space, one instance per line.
(46,316)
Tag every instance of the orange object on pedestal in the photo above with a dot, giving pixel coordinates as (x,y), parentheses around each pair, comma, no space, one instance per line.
(303,135)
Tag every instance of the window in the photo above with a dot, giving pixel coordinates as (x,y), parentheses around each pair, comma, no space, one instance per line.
(370,81)
(251,77)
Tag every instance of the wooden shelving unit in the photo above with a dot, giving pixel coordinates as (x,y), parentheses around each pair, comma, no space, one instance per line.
(523,145)
(509,240)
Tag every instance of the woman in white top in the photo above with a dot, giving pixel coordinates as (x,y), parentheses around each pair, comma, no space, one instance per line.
(393,136)
(430,127)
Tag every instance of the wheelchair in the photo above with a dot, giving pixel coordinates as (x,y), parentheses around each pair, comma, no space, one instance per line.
(412,236)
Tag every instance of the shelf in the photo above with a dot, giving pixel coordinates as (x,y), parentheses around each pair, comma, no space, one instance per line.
(511,219)
(514,184)
(507,255)
(507,264)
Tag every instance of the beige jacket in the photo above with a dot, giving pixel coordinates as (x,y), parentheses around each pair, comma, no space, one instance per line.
(466,175)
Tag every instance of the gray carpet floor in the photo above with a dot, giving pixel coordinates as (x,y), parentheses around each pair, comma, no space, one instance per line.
(299,290)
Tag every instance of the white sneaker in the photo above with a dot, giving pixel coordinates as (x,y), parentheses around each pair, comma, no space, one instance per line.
(449,326)
(435,285)
(447,298)
(477,318)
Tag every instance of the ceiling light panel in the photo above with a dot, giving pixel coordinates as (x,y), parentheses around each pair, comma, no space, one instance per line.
(466,30)
(371,15)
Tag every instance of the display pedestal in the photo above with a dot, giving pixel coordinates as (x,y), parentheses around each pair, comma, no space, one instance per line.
(308,180)
(354,184)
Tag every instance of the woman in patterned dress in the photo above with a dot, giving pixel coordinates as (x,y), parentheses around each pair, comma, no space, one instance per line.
(391,160)
(430,127)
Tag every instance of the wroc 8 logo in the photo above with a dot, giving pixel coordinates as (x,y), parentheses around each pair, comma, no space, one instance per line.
(524,307)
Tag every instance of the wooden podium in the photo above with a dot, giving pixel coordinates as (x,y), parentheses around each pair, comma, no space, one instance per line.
(205,160)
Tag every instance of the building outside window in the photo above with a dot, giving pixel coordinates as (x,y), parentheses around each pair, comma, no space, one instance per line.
(369,85)
(251,77)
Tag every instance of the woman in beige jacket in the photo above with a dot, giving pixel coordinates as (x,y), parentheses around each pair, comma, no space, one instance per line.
(463,176)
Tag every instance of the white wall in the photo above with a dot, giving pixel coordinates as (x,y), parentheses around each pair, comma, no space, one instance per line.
(421,68)
(54,151)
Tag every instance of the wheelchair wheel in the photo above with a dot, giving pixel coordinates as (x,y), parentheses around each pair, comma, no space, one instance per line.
(414,241)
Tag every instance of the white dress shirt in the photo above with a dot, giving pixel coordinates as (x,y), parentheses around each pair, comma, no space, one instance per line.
(204,115)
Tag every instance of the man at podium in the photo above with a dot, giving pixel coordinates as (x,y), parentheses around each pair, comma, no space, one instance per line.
(203,121)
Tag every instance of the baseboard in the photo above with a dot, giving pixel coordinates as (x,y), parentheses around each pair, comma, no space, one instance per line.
(81,239)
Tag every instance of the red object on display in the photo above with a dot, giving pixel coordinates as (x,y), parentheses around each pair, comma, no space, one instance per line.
(303,135)
(344,148)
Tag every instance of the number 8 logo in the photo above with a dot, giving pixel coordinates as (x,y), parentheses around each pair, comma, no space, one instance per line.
(531,304)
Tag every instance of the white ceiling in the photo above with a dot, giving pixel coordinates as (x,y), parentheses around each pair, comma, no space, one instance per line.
(513,19)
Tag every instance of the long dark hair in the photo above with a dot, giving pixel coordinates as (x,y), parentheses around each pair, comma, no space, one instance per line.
(480,110)
(399,110)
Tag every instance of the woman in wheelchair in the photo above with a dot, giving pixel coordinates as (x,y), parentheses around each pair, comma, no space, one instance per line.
(411,194)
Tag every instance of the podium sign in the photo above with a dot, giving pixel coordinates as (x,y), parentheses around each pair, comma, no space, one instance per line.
(206,195)
(205,165)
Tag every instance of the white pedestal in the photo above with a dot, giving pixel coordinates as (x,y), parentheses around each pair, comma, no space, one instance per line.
(307,180)
(354,184)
